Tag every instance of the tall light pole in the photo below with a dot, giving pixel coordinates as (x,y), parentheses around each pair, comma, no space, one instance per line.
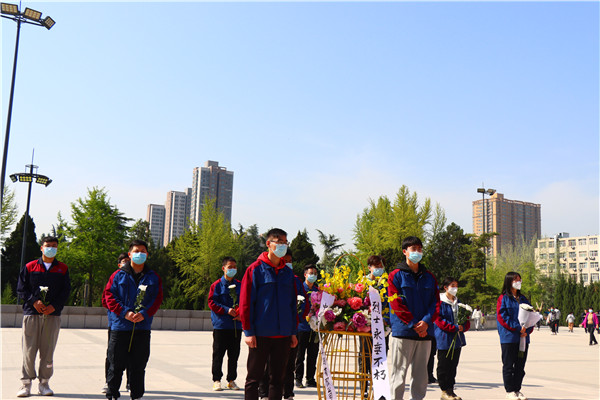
(29,177)
(483,192)
(29,16)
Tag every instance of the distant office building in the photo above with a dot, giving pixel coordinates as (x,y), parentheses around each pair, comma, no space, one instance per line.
(155,215)
(176,215)
(213,182)
(513,220)
(576,256)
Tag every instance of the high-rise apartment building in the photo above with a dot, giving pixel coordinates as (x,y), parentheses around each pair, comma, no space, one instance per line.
(212,182)
(513,220)
(155,215)
(576,256)
(176,215)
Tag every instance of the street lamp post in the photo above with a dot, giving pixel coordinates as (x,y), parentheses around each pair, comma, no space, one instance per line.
(29,177)
(29,16)
(483,192)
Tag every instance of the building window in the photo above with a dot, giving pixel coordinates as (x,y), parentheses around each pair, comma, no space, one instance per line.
(543,256)
(593,240)
(572,254)
(583,254)
(574,277)
(562,255)
(542,245)
(595,277)
(551,256)
(573,265)
(593,253)
(543,266)
(551,244)
(563,265)
(582,242)
(572,242)
(584,277)
(594,264)
(563,243)
(583,265)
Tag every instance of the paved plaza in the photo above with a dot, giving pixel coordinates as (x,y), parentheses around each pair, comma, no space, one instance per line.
(559,367)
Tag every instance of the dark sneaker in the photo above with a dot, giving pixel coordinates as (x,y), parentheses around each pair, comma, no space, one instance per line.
(299,384)
(311,384)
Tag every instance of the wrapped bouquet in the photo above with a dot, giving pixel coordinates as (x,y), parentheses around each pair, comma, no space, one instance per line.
(462,316)
(528,317)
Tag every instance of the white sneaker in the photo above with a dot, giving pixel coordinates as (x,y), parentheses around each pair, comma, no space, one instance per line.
(217,386)
(512,395)
(45,390)
(232,386)
(105,388)
(25,390)
(521,396)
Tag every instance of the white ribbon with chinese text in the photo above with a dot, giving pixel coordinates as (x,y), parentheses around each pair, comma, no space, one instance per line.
(326,302)
(379,369)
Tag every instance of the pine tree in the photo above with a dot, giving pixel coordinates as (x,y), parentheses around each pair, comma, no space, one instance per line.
(11,253)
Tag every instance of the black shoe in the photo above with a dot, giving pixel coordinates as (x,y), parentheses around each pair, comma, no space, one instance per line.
(299,384)
(432,379)
(311,384)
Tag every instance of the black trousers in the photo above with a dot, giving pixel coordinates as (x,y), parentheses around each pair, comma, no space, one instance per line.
(120,357)
(275,352)
(225,341)
(590,329)
(308,345)
(513,367)
(431,358)
(288,378)
(446,368)
(107,363)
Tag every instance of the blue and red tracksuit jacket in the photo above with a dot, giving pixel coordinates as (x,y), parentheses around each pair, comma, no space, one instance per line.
(418,300)
(120,296)
(268,299)
(446,327)
(507,316)
(303,326)
(220,302)
(34,275)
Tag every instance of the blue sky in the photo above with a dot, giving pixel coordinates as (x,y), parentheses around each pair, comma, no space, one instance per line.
(316,107)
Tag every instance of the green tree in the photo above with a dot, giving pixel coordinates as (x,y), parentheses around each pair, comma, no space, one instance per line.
(11,253)
(474,291)
(91,244)
(303,252)
(447,253)
(8,215)
(331,250)
(141,230)
(251,245)
(383,225)
(199,251)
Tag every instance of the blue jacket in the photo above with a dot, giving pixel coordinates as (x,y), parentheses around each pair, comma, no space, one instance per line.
(303,325)
(268,299)
(220,302)
(446,328)
(418,299)
(120,296)
(507,316)
(34,275)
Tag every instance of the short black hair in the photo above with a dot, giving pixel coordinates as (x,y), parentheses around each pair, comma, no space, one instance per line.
(227,260)
(49,239)
(276,233)
(508,280)
(311,266)
(122,256)
(448,281)
(288,252)
(375,260)
(138,242)
(411,241)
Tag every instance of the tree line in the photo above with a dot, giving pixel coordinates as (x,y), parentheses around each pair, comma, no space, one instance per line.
(97,232)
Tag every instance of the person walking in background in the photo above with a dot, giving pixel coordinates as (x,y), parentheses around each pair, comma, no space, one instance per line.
(510,332)
(133,295)
(450,339)
(414,311)
(557,319)
(308,340)
(477,317)
(121,262)
(227,328)
(570,321)
(44,285)
(590,322)
(268,307)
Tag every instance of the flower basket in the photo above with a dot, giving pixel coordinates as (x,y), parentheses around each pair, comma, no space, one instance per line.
(349,358)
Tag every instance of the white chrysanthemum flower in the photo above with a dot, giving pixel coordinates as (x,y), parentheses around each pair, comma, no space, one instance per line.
(300,298)
(143,287)
(43,288)
(526,307)
(337,311)
(231,286)
(466,307)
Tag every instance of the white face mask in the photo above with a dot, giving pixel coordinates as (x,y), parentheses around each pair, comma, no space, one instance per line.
(452,290)
(517,285)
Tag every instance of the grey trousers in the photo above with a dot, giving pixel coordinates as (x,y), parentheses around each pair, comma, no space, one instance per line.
(407,352)
(39,334)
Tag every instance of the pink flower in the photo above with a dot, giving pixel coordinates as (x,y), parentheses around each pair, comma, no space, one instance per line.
(359,320)
(367,301)
(339,303)
(339,326)
(359,287)
(329,315)
(355,302)
(340,290)
(365,328)
(315,297)
(350,328)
